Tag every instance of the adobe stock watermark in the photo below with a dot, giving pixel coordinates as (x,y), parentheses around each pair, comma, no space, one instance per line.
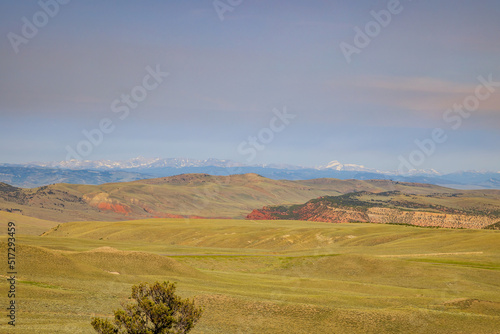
(30,28)
(248,148)
(120,106)
(363,37)
(223,6)
(453,116)
(265,136)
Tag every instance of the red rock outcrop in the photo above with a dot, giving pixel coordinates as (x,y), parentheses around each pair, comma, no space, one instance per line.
(324,213)
(264,214)
(118,208)
(102,202)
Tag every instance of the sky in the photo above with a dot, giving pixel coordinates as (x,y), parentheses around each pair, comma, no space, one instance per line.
(391,85)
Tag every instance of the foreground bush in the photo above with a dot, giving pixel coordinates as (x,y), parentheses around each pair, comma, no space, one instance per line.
(156,309)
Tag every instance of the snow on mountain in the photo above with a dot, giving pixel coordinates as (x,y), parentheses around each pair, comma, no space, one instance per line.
(415,172)
(145,163)
(335,165)
(142,163)
(115,171)
(135,163)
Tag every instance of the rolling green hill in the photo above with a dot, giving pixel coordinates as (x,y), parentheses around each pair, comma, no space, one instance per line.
(25,224)
(263,276)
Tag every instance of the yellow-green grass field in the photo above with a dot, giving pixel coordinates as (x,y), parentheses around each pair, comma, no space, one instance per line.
(261,276)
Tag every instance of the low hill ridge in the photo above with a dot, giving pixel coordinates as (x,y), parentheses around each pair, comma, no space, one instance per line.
(209,196)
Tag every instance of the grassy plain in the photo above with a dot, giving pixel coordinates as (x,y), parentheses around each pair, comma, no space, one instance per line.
(263,276)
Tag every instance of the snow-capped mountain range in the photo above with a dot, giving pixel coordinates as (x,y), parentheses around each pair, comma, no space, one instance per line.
(102,171)
(149,163)
(135,163)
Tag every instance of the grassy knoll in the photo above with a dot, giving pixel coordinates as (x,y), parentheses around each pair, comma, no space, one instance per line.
(25,224)
(265,276)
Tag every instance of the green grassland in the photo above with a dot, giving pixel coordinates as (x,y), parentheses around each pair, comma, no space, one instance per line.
(263,276)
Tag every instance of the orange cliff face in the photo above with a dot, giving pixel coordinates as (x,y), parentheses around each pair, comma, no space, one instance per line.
(118,208)
(102,202)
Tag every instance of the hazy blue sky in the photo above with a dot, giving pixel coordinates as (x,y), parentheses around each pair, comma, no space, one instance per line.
(226,77)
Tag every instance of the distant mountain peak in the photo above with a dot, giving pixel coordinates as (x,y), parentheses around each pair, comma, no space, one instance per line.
(336,165)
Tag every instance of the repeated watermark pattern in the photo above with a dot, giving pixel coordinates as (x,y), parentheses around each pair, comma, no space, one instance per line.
(454,117)
(223,6)
(371,30)
(265,136)
(121,107)
(30,27)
